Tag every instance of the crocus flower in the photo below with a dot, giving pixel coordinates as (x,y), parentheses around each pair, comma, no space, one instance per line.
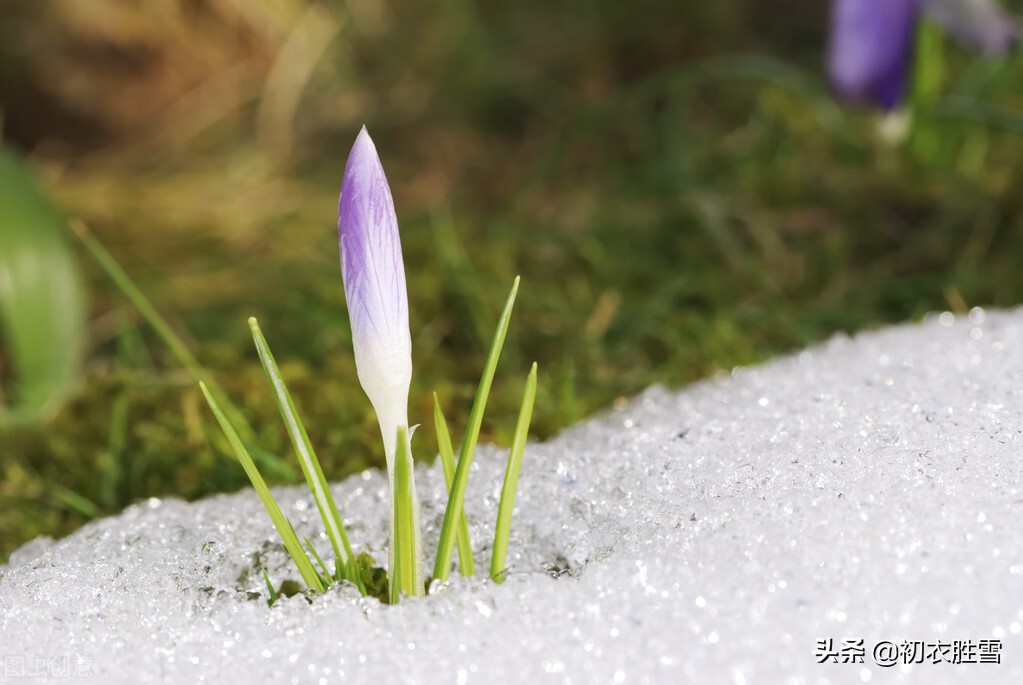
(374,279)
(871,49)
(979,23)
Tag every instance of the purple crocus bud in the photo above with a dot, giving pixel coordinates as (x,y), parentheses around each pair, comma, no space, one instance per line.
(872,49)
(374,278)
(982,24)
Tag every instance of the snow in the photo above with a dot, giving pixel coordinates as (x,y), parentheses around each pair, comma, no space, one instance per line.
(868,489)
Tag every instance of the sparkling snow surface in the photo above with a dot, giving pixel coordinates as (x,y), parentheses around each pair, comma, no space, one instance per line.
(869,488)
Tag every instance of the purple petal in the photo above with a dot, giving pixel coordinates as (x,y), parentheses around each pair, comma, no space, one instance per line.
(980,23)
(871,49)
(374,278)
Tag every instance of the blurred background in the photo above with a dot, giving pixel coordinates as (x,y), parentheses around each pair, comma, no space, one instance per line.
(674,181)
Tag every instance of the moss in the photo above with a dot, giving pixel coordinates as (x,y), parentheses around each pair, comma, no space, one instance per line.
(671,209)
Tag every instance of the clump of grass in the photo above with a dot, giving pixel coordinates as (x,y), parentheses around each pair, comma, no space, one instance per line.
(371,256)
(359,569)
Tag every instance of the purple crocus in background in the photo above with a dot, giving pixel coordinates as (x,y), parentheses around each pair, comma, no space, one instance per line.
(980,23)
(871,49)
(374,279)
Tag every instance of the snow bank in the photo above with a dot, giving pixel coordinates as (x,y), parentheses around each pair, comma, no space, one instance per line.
(868,489)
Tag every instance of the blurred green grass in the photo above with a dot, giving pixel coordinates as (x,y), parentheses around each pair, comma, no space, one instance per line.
(675,186)
(42,308)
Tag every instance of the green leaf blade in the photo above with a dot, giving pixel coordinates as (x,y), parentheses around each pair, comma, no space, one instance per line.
(281,523)
(325,574)
(311,468)
(269,587)
(405,555)
(176,345)
(456,499)
(511,479)
(466,563)
(353,574)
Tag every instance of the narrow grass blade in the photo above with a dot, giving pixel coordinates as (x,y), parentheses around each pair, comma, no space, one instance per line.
(456,497)
(269,587)
(405,555)
(73,500)
(466,563)
(175,344)
(319,560)
(284,529)
(511,479)
(352,574)
(111,462)
(304,448)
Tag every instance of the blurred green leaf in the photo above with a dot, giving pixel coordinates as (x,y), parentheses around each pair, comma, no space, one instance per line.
(42,302)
